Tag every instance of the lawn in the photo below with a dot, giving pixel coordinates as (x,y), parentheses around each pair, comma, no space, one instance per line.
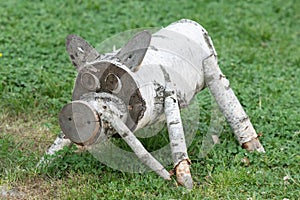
(258,49)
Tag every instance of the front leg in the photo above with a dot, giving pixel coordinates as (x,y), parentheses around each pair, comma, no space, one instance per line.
(177,139)
(59,143)
(135,144)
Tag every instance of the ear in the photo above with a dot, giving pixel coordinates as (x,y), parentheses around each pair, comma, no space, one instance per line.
(80,51)
(132,54)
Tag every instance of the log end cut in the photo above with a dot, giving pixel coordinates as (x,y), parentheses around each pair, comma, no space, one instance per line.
(183,174)
(79,122)
(253,145)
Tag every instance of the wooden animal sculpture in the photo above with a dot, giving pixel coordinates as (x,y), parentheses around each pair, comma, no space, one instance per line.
(141,84)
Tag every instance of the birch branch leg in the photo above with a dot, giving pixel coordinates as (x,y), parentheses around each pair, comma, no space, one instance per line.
(135,144)
(59,143)
(230,106)
(177,139)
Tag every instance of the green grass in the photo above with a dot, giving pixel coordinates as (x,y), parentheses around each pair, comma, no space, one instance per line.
(258,48)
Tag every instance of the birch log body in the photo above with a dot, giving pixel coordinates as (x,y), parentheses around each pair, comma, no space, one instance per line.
(175,52)
(178,54)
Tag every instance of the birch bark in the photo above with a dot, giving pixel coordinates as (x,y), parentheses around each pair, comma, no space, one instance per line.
(177,139)
(135,144)
(59,143)
(230,105)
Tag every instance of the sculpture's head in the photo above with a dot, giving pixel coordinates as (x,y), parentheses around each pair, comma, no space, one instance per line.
(107,78)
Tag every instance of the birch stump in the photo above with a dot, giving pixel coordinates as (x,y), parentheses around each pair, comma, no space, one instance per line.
(147,80)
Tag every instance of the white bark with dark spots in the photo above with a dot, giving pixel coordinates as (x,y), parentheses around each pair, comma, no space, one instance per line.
(135,144)
(177,139)
(59,143)
(229,105)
